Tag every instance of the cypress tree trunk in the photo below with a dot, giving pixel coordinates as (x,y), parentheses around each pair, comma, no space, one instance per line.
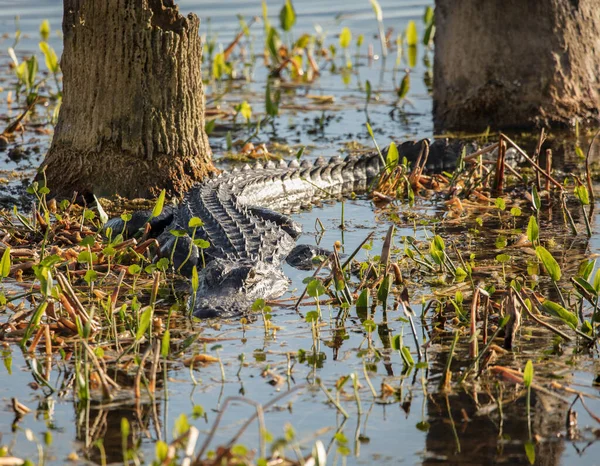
(132,118)
(515,63)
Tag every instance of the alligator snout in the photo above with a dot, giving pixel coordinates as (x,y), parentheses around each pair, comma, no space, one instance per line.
(227,289)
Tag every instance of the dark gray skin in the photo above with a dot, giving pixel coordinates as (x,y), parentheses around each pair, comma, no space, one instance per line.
(244,220)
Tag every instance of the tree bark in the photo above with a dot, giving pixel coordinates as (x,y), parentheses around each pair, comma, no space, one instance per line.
(132,117)
(515,63)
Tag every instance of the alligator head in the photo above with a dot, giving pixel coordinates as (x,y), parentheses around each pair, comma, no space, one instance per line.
(229,288)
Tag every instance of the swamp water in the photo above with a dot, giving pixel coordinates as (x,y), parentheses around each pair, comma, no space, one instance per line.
(411,420)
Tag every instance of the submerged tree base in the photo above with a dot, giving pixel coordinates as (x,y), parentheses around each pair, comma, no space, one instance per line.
(132,118)
(122,173)
(515,64)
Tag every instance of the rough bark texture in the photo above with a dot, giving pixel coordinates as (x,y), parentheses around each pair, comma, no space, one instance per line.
(515,63)
(132,118)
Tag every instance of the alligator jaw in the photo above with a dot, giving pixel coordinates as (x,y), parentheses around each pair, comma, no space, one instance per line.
(227,289)
(222,306)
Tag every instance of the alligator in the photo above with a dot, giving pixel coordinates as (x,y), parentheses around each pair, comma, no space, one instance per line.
(244,219)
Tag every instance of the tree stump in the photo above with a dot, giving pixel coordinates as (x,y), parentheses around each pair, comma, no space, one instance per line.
(515,63)
(132,117)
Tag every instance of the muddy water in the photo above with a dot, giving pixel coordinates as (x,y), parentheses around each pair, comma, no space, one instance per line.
(419,425)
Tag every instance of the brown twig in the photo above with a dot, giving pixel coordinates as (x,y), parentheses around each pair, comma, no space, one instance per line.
(532,163)
(589,176)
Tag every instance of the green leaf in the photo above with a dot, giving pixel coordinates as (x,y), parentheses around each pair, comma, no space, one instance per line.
(45,29)
(533,231)
(90,276)
(195,282)
(535,197)
(198,411)
(579,152)
(428,15)
(501,242)
(178,233)
(160,202)
(165,343)
(345,38)
(404,86)
(406,356)
(125,427)
(460,274)
(287,16)
(597,281)
(369,325)
(201,243)
(5,263)
(32,69)
(220,67)
(315,288)
(161,450)
(50,57)
(528,374)
(412,38)
(557,310)
(368,90)
(530,451)
(87,241)
(87,257)
(384,289)
(503,258)
(273,44)
(258,305)
(134,269)
(195,222)
(500,203)
(515,212)
(145,319)
(586,268)
(182,425)
(549,262)
(312,316)
(581,193)
(392,155)
(163,263)
(370,130)
(438,243)
(34,322)
(363,299)
(303,41)
(245,110)
(44,275)
(429,35)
